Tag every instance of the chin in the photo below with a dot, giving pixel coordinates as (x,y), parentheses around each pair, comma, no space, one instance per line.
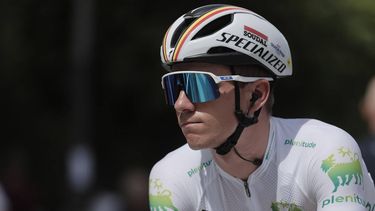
(196,143)
(195,146)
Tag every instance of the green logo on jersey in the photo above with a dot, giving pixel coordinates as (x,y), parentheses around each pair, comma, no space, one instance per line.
(199,168)
(299,143)
(162,200)
(348,199)
(345,171)
(284,206)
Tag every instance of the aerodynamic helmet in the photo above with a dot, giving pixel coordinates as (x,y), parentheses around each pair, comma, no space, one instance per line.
(228,35)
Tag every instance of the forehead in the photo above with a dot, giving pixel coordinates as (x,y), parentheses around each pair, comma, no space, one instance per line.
(216,69)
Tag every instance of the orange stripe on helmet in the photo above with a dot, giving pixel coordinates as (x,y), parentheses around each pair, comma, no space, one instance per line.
(195,25)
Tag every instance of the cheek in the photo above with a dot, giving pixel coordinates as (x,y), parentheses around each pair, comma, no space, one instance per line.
(223,119)
(219,128)
(226,102)
(226,126)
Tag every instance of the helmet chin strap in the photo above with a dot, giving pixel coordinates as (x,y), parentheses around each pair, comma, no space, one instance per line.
(243,122)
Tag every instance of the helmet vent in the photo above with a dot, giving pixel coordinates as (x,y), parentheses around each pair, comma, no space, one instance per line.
(218,50)
(214,26)
(180,29)
(203,10)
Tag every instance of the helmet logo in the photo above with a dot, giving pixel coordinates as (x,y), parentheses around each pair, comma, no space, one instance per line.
(169,53)
(255,50)
(278,50)
(226,77)
(255,35)
(226,34)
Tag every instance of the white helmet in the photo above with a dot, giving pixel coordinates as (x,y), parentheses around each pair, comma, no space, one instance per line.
(228,35)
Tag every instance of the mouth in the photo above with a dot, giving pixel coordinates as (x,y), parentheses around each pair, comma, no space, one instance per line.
(185,124)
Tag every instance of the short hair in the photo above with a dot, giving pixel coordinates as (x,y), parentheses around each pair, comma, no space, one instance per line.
(258,71)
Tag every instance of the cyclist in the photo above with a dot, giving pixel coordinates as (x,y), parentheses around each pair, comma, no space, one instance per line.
(367,109)
(223,61)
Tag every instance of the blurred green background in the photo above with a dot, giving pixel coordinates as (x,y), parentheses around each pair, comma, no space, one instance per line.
(87,73)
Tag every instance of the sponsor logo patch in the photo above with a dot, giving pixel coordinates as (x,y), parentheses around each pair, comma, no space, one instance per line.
(278,49)
(354,198)
(256,49)
(255,35)
(161,198)
(281,206)
(199,168)
(299,143)
(344,173)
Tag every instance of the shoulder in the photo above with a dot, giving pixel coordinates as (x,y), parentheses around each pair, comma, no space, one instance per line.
(329,137)
(176,178)
(313,139)
(179,161)
(332,165)
(313,130)
(302,144)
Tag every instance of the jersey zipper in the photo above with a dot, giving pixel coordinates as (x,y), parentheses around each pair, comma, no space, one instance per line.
(247,189)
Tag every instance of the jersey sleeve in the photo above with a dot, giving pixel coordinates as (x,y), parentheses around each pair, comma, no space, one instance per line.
(170,187)
(339,177)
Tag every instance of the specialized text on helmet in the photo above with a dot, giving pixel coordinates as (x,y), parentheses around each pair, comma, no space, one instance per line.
(254,48)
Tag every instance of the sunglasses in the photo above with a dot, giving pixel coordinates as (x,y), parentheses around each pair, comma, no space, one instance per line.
(199,86)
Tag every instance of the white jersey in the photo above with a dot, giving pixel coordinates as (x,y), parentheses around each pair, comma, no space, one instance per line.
(308,165)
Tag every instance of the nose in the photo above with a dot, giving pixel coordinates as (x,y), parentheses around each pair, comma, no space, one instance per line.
(183,103)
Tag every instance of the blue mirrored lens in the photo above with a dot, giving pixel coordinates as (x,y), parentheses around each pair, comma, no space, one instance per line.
(198,87)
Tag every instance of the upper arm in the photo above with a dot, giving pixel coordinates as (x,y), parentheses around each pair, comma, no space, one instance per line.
(340,177)
(169,190)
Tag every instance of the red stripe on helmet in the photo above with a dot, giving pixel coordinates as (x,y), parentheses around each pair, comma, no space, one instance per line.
(195,25)
(260,34)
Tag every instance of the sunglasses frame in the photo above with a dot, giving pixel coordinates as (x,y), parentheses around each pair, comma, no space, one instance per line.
(217,79)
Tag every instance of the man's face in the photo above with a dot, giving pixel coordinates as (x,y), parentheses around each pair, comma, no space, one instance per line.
(207,125)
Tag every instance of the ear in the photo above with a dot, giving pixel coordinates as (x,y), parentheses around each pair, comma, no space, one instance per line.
(257,94)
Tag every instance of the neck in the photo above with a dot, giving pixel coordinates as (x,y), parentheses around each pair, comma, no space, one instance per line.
(251,145)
